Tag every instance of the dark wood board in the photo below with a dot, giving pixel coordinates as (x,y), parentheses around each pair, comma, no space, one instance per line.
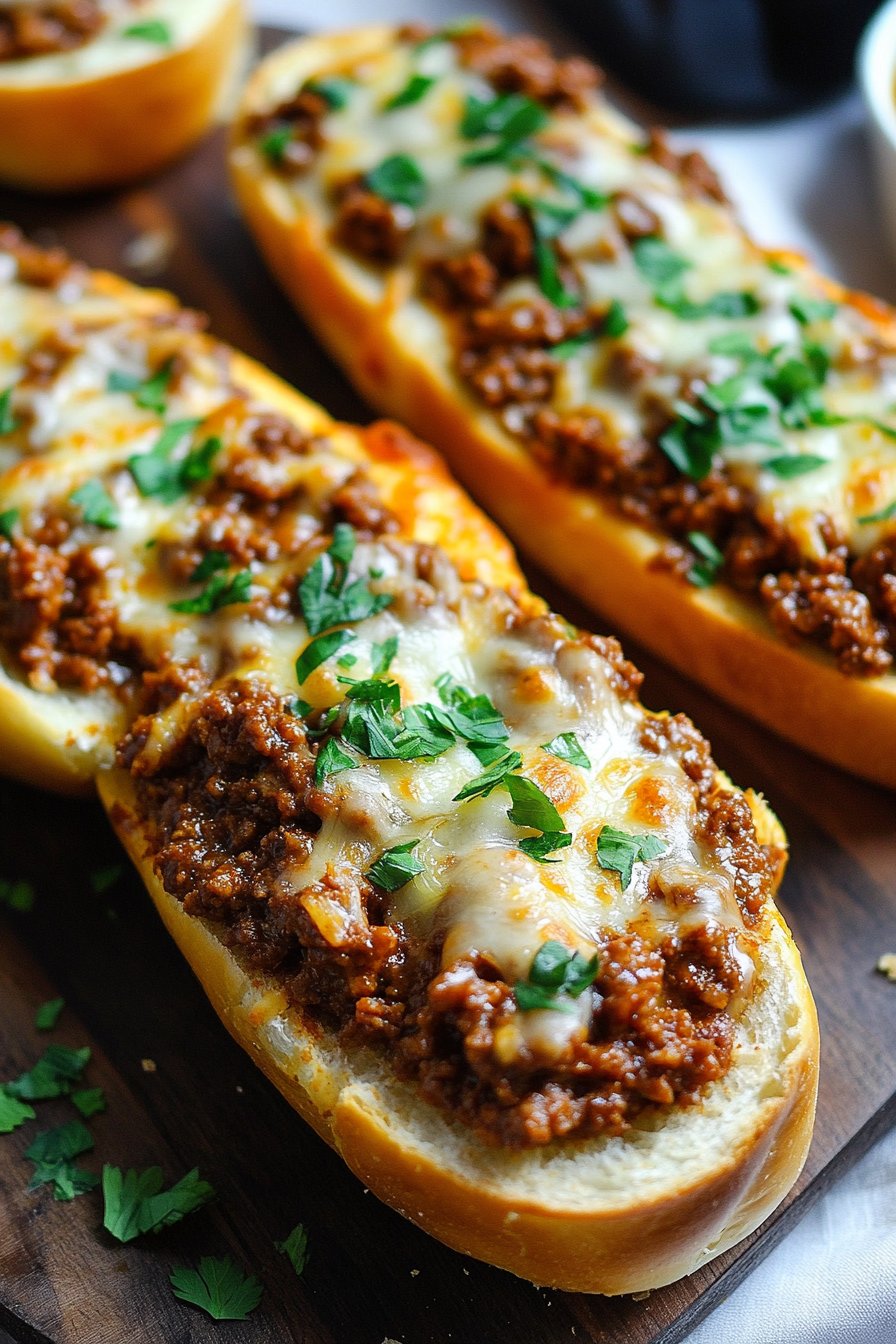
(371,1276)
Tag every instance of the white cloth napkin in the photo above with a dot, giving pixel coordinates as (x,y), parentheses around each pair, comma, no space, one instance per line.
(801,182)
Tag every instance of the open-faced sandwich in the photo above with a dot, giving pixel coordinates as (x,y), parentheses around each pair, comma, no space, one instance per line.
(695,435)
(504,937)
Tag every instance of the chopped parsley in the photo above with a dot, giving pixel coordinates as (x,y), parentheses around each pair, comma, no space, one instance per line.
(510,116)
(572,345)
(47,1015)
(619,851)
(103,879)
(539,847)
(97,506)
(397,178)
(417,87)
(789,467)
(155,473)
(882,516)
(615,320)
(319,650)
(221,590)
(335,90)
(567,747)
(90,1101)
(198,465)
(548,221)
(589,197)
(52,1076)
(732,303)
(273,143)
(135,1203)
(382,656)
(13,1112)
(150,393)
(8,520)
(332,760)
(17,895)
(556,977)
(295,1248)
(807,310)
(660,265)
(395,866)
(531,806)
(299,708)
(706,568)
(8,421)
(326,596)
(53,1152)
(490,779)
(663,268)
(219,1288)
(152,30)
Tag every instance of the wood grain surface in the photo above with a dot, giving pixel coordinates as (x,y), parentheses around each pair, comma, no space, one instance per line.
(370,1276)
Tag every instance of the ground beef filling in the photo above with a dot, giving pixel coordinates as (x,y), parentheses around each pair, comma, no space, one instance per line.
(40,30)
(232,805)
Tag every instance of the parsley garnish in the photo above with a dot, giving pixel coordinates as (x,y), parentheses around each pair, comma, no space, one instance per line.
(807,310)
(548,222)
(325,594)
(538,847)
(47,1014)
(619,851)
(155,473)
(382,655)
(299,707)
(198,465)
(334,90)
(295,1247)
(221,590)
(101,879)
(319,650)
(52,1075)
(398,179)
(8,421)
(664,269)
(555,977)
(150,393)
(332,760)
(531,806)
(705,570)
(135,1203)
(89,1101)
(882,516)
(615,320)
(799,465)
(53,1153)
(18,896)
(8,520)
(568,748)
(587,196)
(490,779)
(417,87)
(13,1112)
(152,30)
(395,867)
(572,345)
(97,505)
(219,1288)
(510,116)
(731,303)
(659,264)
(273,143)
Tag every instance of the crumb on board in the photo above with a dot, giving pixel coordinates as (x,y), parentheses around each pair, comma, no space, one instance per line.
(148,1065)
(414,1273)
(887,965)
(148,252)
(641,1297)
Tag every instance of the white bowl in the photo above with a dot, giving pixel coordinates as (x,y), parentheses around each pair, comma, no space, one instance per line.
(876,68)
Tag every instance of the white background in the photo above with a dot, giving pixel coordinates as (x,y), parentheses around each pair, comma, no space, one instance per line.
(802,182)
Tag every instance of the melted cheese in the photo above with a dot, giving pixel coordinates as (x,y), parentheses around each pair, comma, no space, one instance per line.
(858,477)
(479,891)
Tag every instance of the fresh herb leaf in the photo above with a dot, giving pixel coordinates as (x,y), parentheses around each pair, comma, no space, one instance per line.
(220,591)
(572,345)
(135,1203)
(530,805)
(61,1144)
(397,178)
(89,1101)
(735,343)
(47,1014)
(590,198)
(150,393)
(295,1247)
(68,1181)
(659,264)
(8,520)
(8,421)
(567,747)
(326,596)
(218,1288)
(395,867)
(103,879)
(619,851)
(13,1112)
(779,267)
(548,222)
(615,320)
(334,90)
(299,707)
(807,310)
(511,116)
(17,896)
(555,977)
(490,779)
(332,760)
(319,650)
(789,467)
(273,143)
(152,30)
(882,516)
(52,1075)
(706,569)
(198,465)
(155,474)
(417,87)
(538,847)
(97,506)
(211,563)
(382,655)
(726,303)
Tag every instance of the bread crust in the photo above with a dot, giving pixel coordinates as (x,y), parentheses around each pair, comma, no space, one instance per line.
(513,1209)
(713,636)
(108,128)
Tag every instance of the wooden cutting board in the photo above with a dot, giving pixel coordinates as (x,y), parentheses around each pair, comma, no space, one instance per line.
(181,1094)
